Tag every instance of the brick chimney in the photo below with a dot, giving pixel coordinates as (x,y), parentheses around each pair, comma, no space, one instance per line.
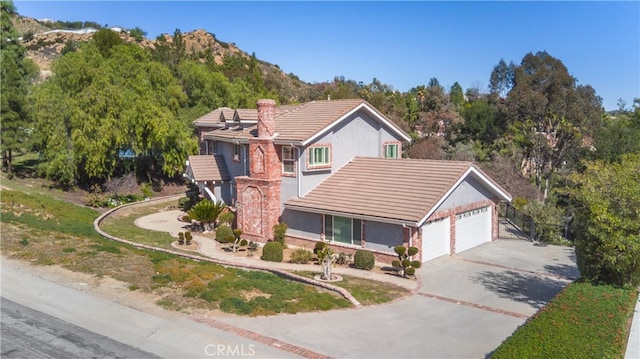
(258,205)
(266,118)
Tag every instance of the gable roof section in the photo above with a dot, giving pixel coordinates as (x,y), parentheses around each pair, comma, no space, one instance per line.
(303,123)
(312,119)
(390,190)
(204,168)
(211,119)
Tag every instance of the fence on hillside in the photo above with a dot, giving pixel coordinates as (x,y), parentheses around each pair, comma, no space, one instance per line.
(515,224)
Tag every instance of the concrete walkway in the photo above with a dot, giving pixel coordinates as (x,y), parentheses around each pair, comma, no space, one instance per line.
(167,221)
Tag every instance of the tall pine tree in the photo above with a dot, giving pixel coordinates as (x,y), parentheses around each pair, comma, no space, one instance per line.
(15,74)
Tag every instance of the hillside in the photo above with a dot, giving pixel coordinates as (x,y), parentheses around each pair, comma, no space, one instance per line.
(44,45)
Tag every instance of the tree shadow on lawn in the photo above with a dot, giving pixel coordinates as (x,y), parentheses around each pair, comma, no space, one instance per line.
(525,288)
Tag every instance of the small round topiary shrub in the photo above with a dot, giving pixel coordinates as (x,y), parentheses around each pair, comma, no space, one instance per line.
(272,252)
(364,259)
(318,247)
(223,233)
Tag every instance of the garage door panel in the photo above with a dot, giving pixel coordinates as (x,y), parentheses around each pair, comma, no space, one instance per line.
(436,239)
(472,228)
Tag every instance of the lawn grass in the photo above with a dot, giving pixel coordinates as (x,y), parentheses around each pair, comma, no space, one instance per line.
(366,291)
(583,321)
(48,231)
(123,226)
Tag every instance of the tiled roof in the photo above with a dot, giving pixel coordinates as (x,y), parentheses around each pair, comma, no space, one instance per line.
(208,168)
(386,189)
(245,114)
(212,118)
(302,122)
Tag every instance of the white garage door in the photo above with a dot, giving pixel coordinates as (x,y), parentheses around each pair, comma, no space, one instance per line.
(473,228)
(436,239)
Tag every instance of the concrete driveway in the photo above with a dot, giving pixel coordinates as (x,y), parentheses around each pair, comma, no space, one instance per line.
(466,306)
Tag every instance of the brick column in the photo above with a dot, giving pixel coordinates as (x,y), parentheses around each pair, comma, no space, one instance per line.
(259,194)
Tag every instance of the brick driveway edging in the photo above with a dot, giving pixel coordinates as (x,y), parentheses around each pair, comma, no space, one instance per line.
(96,225)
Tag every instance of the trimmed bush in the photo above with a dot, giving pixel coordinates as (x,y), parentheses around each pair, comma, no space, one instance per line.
(279,232)
(318,247)
(301,256)
(364,259)
(223,233)
(272,252)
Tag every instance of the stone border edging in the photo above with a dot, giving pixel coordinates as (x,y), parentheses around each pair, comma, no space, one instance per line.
(282,273)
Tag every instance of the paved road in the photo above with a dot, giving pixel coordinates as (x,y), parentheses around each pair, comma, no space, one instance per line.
(134,330)
(28,333)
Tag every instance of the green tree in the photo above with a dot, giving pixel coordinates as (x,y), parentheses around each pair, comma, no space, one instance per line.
(137,33)
(502,78)
(550,116)
(16,73)
(456,96)
(104,110)
(607,199)
(479,123)
(105,40)
(619,135)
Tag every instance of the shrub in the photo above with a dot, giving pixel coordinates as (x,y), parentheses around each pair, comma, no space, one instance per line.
(272,252)
(226,218)
(253,248)
(301,256)
(180,238)
(318,247)
(223,233)
(279,232)
(188,237)
(343,259)
(364,259)
(404,261)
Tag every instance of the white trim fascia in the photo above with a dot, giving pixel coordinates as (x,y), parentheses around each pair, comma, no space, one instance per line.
(239,140)
(505,196)
(355,109)
(352,215)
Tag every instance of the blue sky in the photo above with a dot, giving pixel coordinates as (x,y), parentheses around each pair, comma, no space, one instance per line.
(403,44)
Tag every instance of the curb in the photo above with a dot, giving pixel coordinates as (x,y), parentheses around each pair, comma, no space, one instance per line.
(284,274)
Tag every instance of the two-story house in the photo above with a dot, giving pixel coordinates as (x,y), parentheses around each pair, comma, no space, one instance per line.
(332,171)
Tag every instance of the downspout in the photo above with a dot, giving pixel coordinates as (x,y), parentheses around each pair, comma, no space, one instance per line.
(299,167)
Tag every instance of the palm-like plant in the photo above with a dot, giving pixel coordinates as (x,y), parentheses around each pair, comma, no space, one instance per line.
(207,212)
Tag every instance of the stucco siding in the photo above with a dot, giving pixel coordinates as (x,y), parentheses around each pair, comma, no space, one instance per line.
(382,236)
(468,191)
(235,168)
(358,135)
(288,189)
(302,224)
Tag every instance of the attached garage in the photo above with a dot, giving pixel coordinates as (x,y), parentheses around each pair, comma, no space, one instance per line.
(436,239)
(472,228)
(442,207)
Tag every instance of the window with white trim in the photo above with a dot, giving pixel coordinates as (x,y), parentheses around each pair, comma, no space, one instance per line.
(320,156)
(289,156)
(343,230)
(391,150)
